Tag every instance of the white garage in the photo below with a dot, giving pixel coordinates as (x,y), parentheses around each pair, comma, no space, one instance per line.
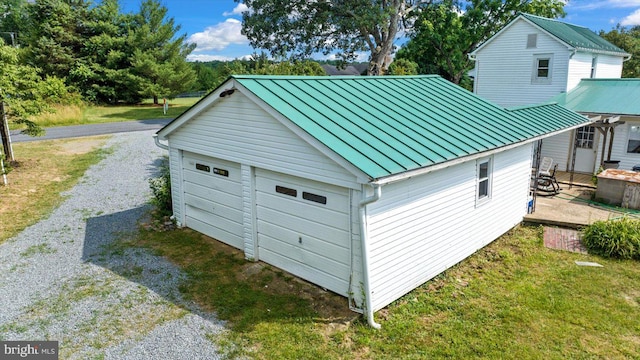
(303,227)
(366,186)
(213,197)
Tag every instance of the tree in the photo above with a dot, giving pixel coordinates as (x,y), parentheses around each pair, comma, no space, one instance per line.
(159,60)
(403,67)
(627,39)
(446,32)
(13,20)
(56,35)
(300,28)
(23,94)
(102,75)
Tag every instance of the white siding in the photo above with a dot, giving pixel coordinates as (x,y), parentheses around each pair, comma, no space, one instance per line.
(621,138)
(424,225)
(579,68)
(248,212)
(557,147)
(177,192)
(357,276)
(505,67)
(609,67)
(265,142)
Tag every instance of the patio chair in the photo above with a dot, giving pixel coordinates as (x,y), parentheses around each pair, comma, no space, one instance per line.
(546,183)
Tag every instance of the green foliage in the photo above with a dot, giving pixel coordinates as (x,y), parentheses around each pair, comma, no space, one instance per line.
(108,56)
(446,31)
(13,20)
(301,28)
(161,189)
(216,72)
(614,238)
(159,58)
(24,92)
(403,67)
(627,39)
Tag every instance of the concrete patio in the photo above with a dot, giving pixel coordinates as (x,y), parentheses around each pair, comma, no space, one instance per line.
(573,207)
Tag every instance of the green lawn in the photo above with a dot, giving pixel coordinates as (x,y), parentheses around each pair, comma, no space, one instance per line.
(94,114)
(513,299)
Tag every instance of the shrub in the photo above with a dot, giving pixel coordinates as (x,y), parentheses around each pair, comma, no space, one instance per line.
(613,238)
(161,189)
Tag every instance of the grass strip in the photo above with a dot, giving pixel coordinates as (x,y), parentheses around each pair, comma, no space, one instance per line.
(44,169)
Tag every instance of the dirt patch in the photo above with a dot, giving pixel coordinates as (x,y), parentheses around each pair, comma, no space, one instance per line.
(80,145)
(333,309)
(632,298)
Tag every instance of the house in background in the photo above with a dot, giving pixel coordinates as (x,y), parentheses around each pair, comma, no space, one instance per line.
(531,60)
(349,70)
(618,102)
(366,186)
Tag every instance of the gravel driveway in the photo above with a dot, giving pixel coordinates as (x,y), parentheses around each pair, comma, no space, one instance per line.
(66,279)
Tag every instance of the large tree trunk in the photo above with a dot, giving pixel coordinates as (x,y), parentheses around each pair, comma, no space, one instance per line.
(155,99)
(382,44)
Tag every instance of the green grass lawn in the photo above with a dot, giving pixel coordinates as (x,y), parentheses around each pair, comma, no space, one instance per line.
(514,299)
(94,114)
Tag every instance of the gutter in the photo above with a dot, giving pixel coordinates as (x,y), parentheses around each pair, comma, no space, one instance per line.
(377,193)
(158,143)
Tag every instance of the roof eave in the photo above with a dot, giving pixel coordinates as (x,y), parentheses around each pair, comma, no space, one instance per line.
(439,166)
(603,52)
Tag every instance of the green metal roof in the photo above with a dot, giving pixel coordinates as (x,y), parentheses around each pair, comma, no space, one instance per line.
(574,35)
(603,96)
(387,125)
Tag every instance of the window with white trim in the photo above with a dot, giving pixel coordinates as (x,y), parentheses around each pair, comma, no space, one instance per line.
(483,180)
(633,145)
(542,69)
(585,136)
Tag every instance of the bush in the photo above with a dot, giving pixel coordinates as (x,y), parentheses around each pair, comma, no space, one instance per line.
(161,188)
(613,238)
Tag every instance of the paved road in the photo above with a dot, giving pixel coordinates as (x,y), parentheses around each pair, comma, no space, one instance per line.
(93,129)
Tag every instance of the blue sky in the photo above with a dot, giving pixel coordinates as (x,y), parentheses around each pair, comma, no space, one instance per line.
(214,25)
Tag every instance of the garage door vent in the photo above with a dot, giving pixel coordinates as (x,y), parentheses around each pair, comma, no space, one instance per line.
(221,172)
(203,167)
(286,191)
(315,198)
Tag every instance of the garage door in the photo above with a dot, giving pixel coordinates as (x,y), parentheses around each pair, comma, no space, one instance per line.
(213,198)
(303,228)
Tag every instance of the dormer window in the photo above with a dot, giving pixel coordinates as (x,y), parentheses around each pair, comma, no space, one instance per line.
(532,41)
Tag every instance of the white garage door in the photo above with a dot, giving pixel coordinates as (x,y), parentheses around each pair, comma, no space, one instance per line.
(303,228)
(213,198)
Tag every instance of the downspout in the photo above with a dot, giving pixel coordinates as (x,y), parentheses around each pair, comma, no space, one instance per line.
(377,192)
(159,144)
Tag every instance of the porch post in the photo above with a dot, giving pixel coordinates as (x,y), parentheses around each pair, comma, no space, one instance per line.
(573,157)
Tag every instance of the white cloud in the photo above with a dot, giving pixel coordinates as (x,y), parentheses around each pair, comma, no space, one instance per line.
(633,19)
(219,36)
(238,10)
